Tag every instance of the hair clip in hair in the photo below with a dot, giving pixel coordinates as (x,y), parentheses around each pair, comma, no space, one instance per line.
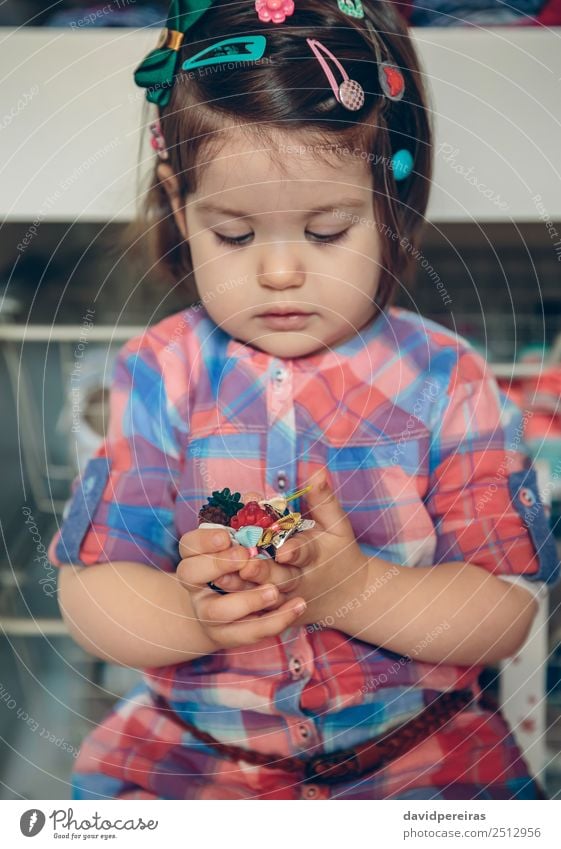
(170,38)
(349,93)
(391,81)
(402,164)
(352,8)
(158,141)
(241,48)
(156,73)
(274,11)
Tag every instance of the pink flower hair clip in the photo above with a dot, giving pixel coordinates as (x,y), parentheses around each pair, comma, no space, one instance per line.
(274,11)
(157,140)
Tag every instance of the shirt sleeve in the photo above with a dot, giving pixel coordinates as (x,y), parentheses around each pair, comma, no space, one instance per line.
(482,492)
(122,507)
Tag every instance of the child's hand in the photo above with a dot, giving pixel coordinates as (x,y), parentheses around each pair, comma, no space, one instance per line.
(242,617)
(239,570)
(331,560)
(252,570)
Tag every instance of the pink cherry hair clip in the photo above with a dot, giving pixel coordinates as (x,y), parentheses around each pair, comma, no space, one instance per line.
(157,140)
(274,11)
(349,93)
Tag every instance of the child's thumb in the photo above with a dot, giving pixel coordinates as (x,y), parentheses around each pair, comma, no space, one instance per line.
(323,505)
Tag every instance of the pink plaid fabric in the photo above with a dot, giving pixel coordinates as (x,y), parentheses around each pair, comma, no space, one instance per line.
(426,457)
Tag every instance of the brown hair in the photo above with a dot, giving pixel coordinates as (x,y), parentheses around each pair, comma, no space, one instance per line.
(287,91)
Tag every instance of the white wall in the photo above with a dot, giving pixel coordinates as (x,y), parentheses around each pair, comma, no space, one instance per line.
(72,149)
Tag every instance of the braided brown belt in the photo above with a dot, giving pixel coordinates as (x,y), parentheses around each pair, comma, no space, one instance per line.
(347,763)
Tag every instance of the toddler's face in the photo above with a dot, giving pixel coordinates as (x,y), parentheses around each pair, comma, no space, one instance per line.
(272,269)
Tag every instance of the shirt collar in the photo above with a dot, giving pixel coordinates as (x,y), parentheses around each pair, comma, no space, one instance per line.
(319,360)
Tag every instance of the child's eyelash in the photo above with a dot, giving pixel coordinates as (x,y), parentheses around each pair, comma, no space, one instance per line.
(322,239)
(334,237)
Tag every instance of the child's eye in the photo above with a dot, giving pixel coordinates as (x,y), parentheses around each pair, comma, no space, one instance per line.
(331,237)
(231,240)
(322,238)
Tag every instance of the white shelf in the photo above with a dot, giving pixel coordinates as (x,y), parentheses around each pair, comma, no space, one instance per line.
(26,626)
(71,152)
(51,334)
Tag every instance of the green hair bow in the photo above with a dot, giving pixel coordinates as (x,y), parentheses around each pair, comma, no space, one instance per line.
(157,70)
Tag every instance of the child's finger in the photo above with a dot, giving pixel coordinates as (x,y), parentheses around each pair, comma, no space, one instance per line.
(232,583)
(264,571)
(196,572)
(230,608)
(203,541)
(267,624)
(300,550)
(251,496)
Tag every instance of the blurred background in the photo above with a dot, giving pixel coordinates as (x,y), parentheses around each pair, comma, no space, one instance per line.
(71,136)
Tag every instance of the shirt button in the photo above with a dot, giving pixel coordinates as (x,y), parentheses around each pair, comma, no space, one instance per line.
(311,791)
(280,374)
(281,481)
(295,667)
(527,497)
(88,485)
(304,731)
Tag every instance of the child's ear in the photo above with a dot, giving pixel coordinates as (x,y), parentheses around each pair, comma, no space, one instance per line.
(170,183)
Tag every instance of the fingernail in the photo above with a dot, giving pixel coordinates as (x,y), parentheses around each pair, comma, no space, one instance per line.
(300,608)
(269,594)
(219,539)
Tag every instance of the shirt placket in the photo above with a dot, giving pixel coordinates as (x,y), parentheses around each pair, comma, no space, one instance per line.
(282,477)
(281,435)
(304,736)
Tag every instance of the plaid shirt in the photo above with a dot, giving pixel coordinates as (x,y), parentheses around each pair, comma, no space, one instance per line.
(425,454)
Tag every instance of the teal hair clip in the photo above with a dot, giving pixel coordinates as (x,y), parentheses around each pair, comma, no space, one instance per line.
(402,164)
(352,8)
(239,48)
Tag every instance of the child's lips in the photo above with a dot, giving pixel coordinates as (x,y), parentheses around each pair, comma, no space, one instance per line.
(286,320)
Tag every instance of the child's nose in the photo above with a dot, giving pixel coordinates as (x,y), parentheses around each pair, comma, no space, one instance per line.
(281,267)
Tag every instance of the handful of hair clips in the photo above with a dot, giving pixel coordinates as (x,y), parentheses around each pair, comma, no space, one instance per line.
(260,526)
